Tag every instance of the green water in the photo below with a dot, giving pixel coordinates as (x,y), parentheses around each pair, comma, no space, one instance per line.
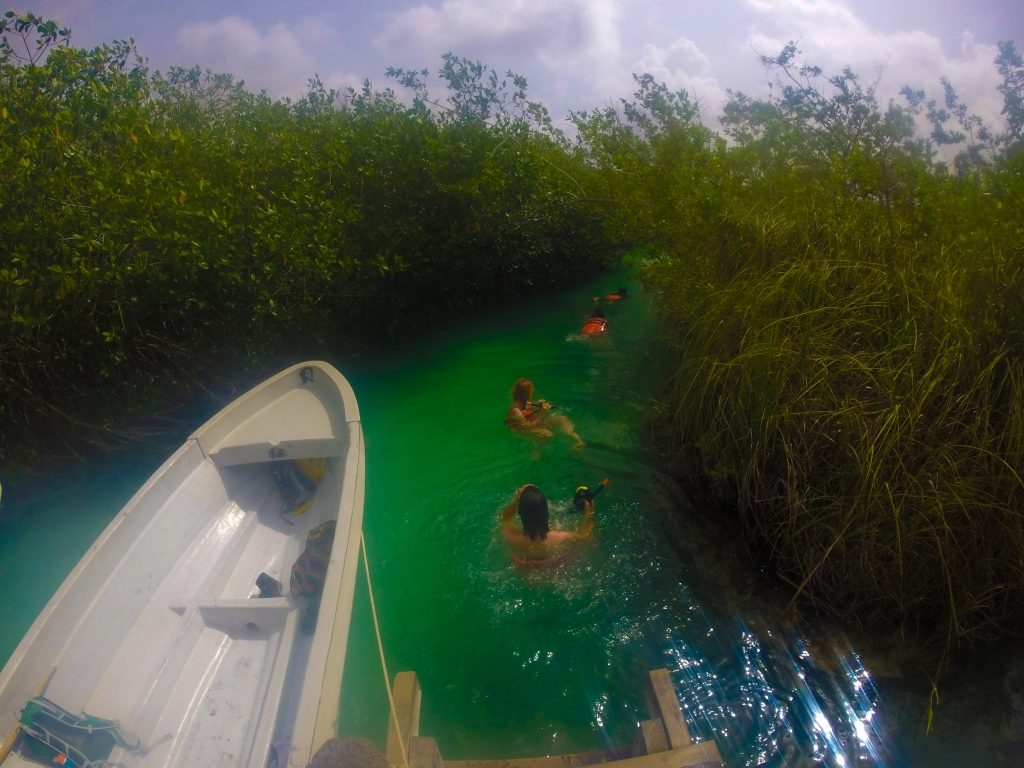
(43,537)
(515,662)
(511,662)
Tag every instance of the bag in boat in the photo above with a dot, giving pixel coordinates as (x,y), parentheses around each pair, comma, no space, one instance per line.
(52,735)
(310,570)
(296,481)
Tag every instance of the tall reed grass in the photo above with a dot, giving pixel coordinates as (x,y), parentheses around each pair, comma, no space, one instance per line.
(854,383)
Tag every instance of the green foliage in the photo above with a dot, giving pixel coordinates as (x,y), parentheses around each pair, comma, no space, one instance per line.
(159,226)
(1011,68)
(978,144)
(645,161)
(475,94)
(844,322)
(34,36)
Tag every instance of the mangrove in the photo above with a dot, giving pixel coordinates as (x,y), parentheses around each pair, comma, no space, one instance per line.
(842,298)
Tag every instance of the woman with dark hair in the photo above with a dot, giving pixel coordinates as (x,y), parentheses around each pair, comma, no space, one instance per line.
(535,543)
(535,417)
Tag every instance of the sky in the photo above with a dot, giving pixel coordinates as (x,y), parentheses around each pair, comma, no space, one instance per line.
(575,54)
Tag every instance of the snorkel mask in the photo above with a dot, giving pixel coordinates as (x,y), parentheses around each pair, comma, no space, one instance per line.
(584,494)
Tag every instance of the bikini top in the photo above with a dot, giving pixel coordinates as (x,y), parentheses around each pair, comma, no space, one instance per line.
(529,415)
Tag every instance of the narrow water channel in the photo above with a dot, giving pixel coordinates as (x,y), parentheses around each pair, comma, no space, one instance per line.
(518,662)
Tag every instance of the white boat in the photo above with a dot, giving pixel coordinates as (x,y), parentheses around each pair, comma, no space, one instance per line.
(160,640)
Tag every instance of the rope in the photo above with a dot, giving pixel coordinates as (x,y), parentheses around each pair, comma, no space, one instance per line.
(380,649)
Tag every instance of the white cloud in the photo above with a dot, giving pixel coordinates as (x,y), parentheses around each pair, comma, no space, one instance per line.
(557,32)
(571,48)
(974,76)
(276,59)
(683,66)
(579,56)
(829,34)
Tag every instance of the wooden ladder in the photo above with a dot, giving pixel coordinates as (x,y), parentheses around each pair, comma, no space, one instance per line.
(661,742)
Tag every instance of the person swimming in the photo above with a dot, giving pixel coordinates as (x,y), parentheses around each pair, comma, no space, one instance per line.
(536,417)
(534,542)
(622,293)
(596,324)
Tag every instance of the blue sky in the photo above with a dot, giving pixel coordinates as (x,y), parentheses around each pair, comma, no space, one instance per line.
(576,54)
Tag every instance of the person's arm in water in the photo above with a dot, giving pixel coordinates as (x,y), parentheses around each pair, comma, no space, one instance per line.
(584,532)
(586,529)
(516,416)
(510,511)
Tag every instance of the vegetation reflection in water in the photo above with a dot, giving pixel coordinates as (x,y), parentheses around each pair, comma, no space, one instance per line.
(517,663)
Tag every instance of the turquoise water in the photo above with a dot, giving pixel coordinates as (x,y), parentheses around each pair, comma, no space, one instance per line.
(43,537)
(514,662)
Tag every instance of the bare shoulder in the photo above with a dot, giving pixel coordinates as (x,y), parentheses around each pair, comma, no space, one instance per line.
(514,536)
(559,536)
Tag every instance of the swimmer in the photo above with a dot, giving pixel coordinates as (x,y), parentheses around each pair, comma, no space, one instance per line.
(622,293)
(535,543)
(596,324)
(535,417)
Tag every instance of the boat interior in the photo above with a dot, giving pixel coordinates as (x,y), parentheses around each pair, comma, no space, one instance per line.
(187,656)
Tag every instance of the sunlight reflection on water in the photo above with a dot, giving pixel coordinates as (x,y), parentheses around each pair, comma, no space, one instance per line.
(775,706)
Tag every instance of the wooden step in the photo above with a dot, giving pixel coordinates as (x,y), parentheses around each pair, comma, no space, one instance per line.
(691,755)
(664,741)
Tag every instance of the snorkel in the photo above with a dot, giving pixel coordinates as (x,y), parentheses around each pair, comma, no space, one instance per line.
(584,494)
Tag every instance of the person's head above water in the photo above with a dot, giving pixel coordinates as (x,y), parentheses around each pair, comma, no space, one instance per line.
(598,312)
(522,390)
(533,512)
